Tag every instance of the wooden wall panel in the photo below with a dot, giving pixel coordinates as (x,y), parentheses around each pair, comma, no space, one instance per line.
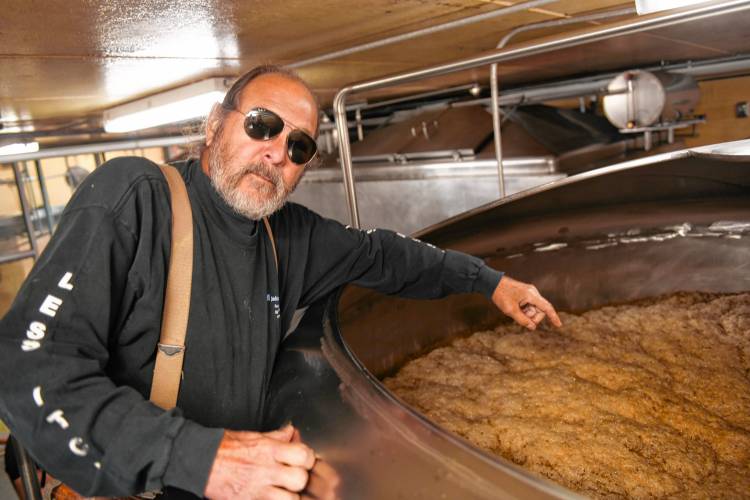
(718,100)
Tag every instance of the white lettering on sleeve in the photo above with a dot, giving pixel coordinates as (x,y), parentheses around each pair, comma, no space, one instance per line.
(78,447)
(36,331)
(50,306)
(37,393)
(30,345)
(58,418)
(65,282)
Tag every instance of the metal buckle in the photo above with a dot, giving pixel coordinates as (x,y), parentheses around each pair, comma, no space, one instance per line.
(170,349)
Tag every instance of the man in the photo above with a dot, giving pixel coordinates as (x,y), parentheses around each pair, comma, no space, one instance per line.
(78,345)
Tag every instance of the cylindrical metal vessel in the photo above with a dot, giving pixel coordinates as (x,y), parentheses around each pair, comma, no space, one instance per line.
(641,98)
(675,222)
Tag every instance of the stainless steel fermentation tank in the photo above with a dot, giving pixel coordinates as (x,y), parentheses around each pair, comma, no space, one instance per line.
(655,226)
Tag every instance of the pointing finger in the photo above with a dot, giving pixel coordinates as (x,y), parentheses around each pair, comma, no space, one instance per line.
(547,309)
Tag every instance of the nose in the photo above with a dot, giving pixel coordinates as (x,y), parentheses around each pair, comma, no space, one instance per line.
(275,150)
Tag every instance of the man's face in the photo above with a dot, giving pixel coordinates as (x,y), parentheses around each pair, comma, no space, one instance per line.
(255,177)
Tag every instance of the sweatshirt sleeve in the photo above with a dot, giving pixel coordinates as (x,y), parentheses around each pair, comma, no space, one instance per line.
(390,263)
(55,343)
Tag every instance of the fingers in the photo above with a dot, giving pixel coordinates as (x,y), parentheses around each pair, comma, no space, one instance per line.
(523,303)
(255,465)
(277,494)
(520,317)
(549,311)
(324,482)
(534,314)
(295,454)
(290,478)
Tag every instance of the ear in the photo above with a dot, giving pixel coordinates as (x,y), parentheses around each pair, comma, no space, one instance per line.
(212,123)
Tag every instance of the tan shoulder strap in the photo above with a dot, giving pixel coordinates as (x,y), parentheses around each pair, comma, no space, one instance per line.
(273,242)
(170,354)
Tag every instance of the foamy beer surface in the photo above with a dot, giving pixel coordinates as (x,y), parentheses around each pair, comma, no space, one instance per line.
(645,400)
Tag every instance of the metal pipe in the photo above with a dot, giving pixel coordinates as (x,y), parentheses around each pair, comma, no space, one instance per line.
(100,147)
(497,138)
(494,92)
(358,120)
(27,471)
(631,104)
(4,259)
(421,95)
(380,120)
(597,16)
(598,85)
(436,169)
(631,26)
(45,194)
(25,210)
(31,194)
(426,31)
(345,154)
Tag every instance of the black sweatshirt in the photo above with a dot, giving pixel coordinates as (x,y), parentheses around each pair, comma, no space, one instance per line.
(77,348)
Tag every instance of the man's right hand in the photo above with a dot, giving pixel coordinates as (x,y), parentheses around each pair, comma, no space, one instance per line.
(259,465)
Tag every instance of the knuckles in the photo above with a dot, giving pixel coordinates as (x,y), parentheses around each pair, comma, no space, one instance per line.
(297,479)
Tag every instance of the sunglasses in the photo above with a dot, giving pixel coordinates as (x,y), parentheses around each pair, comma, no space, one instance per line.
(263,125)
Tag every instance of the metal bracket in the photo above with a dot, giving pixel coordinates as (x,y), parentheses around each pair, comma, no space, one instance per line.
(171,350)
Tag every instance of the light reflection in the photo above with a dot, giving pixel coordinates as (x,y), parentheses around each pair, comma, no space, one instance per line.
(13,123)
(164,44)
(19,148)
(732,230)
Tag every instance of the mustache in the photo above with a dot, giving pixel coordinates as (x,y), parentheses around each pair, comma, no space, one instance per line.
(259,169)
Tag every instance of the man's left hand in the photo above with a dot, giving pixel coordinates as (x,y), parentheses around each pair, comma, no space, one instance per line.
(523,303)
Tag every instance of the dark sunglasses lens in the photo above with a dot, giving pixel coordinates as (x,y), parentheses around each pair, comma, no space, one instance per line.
(262,125)
(301,147)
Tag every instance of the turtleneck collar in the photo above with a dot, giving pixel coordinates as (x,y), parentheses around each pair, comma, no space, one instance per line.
(237,227)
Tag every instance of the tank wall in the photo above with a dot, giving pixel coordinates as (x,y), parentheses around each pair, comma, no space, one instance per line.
(590,255)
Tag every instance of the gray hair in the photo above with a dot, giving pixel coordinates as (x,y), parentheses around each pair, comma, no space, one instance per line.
(232,97)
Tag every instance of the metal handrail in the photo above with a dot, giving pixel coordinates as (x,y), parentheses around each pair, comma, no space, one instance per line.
(495,95)
(653,21)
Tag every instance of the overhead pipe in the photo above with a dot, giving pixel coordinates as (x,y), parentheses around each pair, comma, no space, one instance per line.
(422,95)
(13,257)
(494,93)
(597,16)
(654,21)
(101,147)
(598,84)
(426,31)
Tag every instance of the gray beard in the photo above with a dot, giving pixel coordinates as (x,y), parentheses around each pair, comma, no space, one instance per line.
(269,198)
